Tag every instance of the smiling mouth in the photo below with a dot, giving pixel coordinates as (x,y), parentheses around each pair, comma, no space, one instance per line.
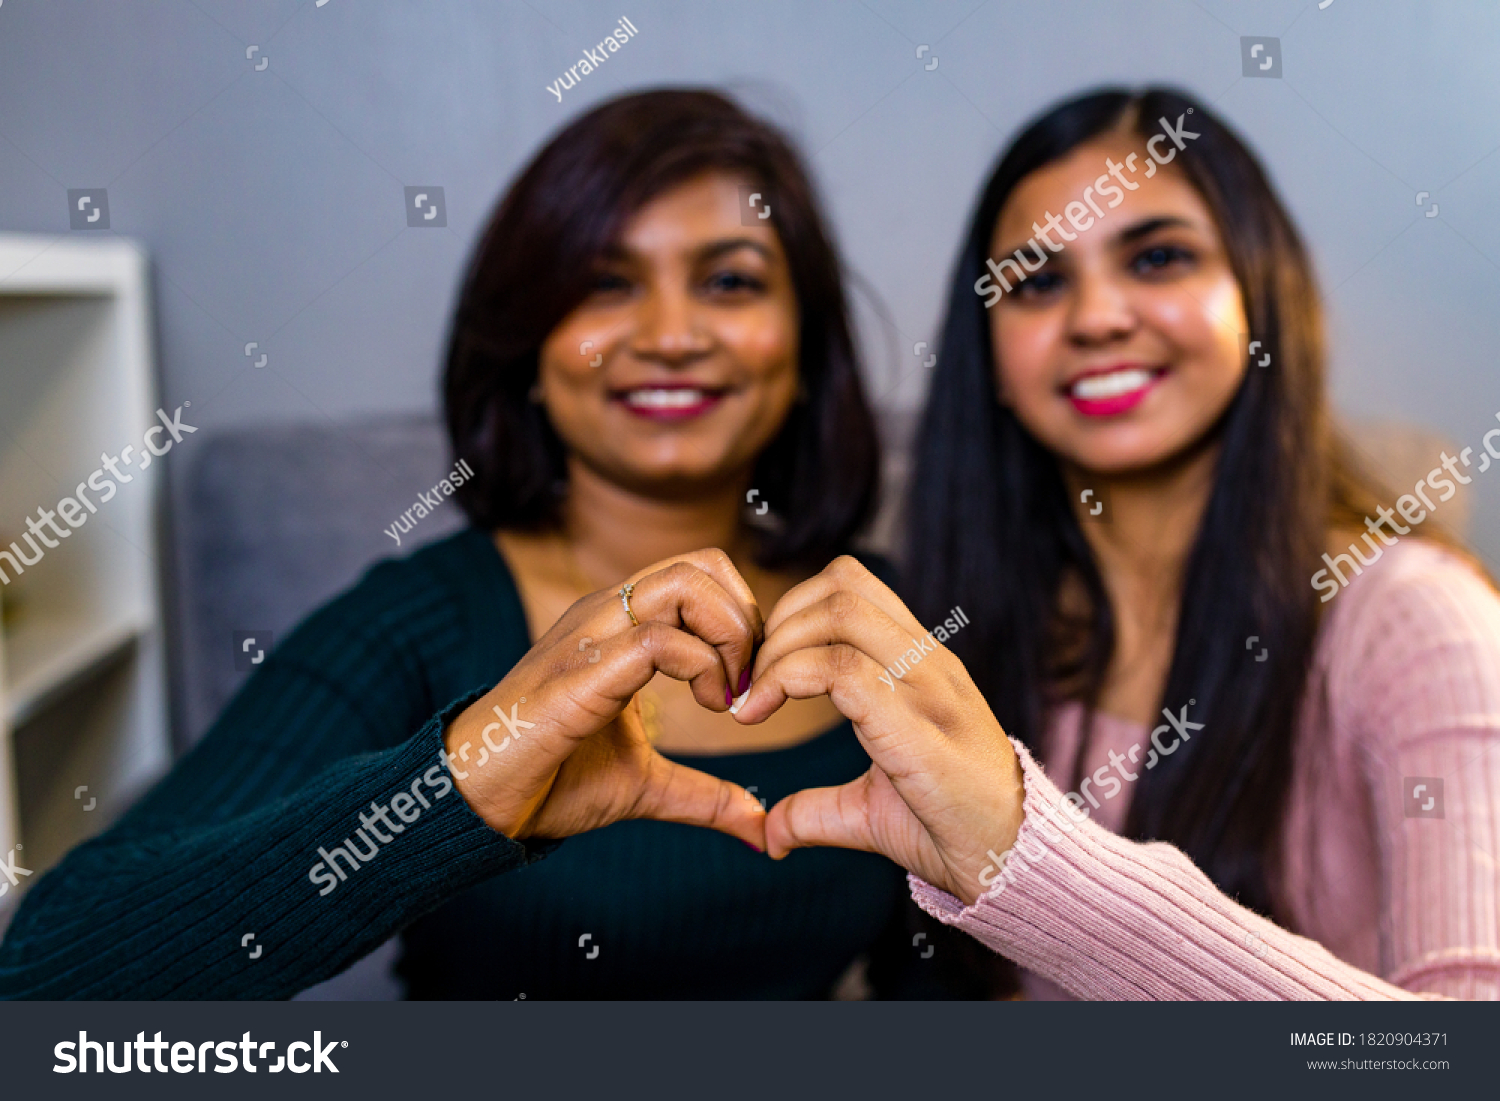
(1111,392)
(675,402)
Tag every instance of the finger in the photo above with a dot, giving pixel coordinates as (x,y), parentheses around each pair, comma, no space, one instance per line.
(566,700)
(684,595)
(721,568)
(844,616)
(836,816)
(533,723)
(654,647)
(676,793)
(844,572)
(844,674)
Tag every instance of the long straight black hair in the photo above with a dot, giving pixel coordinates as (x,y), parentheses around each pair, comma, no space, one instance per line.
(991,525)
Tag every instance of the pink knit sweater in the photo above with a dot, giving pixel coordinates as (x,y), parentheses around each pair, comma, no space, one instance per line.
(1384,900)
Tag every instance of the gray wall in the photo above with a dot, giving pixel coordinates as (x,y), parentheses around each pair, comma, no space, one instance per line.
(271,201)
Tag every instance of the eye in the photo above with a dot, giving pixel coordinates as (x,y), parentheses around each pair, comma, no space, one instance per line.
(1039,285)
(608,282)
(1158,258)
(729,281)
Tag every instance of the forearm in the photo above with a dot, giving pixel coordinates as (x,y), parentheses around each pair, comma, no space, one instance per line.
(167,914)
(1112,919)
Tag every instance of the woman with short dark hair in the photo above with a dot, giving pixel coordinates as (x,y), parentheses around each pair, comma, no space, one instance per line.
(650,355)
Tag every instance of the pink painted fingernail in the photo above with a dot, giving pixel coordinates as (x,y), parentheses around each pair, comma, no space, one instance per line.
(755,847)
(728,696)
(744,682)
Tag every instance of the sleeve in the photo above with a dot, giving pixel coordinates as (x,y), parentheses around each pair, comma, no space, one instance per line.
(222,881)
(1414,698)
(1420,702)
(1110,919)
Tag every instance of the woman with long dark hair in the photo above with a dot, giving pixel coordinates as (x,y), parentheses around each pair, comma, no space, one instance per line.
(1272,699)
(638,349)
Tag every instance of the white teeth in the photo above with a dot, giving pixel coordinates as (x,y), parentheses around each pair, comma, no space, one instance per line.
(664,399)
(1097,387)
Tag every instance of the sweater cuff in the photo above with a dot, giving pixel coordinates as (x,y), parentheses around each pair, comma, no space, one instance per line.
(1104,917)
(464,826)
(1039,792)
(457,848)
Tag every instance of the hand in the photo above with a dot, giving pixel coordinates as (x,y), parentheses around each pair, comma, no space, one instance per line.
(558,748)
(944,786)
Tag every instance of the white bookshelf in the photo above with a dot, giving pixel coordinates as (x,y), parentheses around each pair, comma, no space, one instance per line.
(82,673)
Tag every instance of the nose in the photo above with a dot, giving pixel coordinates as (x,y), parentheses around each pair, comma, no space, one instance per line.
(669,328)
(1101,310)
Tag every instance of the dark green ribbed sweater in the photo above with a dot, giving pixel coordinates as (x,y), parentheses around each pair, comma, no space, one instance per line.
(348,712)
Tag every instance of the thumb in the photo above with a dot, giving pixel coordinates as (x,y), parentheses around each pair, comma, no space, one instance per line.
(676,793)
(837,816)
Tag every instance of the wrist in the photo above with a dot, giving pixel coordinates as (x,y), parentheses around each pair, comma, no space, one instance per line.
(471,748)
(997,834)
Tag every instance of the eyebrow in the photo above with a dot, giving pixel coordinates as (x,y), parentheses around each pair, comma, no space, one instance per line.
(714,249)
(1130,234)
(1150,226)
(711,251)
